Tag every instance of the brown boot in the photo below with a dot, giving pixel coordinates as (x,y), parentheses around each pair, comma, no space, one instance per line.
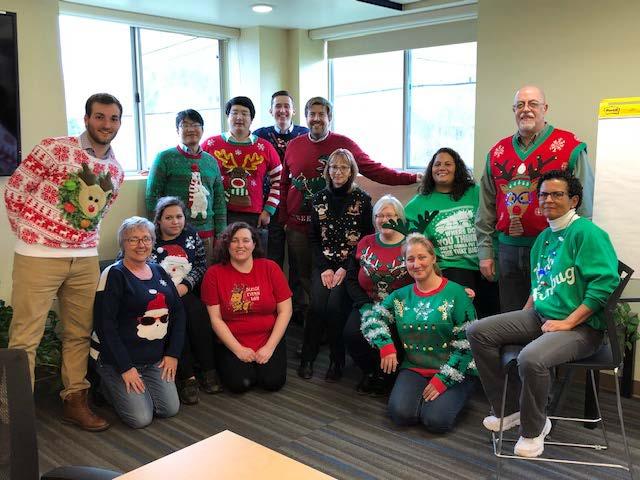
(76,411)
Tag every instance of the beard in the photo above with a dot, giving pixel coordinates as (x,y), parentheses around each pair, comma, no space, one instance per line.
(100,138)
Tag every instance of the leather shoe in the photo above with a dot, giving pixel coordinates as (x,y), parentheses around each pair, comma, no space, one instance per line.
(188,391)
(76,410)
(334,373)
(365,384)
(210,382)
(305,370)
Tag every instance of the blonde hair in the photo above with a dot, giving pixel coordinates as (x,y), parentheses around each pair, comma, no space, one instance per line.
(420,239)
(348,156)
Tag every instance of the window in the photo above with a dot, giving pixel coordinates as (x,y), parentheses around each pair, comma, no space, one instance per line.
(402,106)
(154,74)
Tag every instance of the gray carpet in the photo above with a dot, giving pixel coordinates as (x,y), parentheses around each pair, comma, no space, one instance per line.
(331,428)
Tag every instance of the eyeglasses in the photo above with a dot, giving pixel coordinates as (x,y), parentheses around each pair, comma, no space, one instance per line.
(185,126)
(339,168)
(385,216)
(235,113)
(555,195)
(136,240)
(533,105)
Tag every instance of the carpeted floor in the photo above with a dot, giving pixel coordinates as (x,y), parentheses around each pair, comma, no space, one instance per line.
(331,428)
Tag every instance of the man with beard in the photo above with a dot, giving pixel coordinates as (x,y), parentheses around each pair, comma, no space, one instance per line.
(508,200)
(55,201)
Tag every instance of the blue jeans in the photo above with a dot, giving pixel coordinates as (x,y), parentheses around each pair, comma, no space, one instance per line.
(514,276)
(407,406)
(137,409)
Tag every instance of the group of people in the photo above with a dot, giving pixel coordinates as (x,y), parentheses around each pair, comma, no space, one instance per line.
(199,297)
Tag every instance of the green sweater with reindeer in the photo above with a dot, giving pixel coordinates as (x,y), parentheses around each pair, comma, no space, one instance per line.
(431,327)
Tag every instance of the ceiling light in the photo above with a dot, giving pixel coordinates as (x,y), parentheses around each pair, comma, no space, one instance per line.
(262,8)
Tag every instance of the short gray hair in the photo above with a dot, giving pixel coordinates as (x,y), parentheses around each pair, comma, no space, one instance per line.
(135,222)
(385,201)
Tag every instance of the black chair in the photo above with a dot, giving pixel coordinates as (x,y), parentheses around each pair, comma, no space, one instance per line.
(608,357)
(18,442)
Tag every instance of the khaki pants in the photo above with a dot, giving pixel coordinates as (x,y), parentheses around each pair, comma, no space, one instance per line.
(36,282)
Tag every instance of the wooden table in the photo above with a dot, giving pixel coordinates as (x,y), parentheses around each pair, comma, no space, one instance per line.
(225,456)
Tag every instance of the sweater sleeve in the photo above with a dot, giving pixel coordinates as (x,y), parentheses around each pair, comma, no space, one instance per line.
(219,203)
(275,174)
(156,183)
(460,360)
(486,215)
(376,171)
(375,324)
(194,277)
(354,290)
(583,172)
(106,310)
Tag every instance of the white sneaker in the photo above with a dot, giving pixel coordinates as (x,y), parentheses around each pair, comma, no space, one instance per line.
(532,447)
(493,423)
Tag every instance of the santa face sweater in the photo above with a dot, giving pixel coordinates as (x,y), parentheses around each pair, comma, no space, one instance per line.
(339,220)
(573,266)
(302,175)
(137,322)
(183,258)
(452,231)
(243,167)
(59,194)
(432,328)
(196,180)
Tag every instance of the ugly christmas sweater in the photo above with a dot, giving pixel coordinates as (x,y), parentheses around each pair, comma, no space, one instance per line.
(573,266)
(302,175)
(280,140)
(452,231)
(339,220)
(243,167)
(196,180)
(432,328)
(59,194)
(184,258)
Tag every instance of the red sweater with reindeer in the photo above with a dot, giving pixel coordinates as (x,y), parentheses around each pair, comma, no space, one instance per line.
(243,167)
(515,173)
(59,194)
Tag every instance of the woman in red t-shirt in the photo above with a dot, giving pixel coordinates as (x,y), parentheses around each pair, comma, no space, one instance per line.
(249,303)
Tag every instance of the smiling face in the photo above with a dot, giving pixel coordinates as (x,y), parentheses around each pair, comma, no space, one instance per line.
(339,171)
(239,121)
(282,110)
(554,198)
(103,123)
(419,262)
(443,171)
(318,121)
(190,132)
(529,107)
(171,222)
(137,244)
(241,246)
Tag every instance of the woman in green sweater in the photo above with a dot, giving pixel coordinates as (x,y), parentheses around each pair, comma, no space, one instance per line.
(437,375)
(449,193)
(574,270)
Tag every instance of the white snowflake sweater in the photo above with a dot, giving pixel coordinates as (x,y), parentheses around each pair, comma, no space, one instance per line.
(59,194)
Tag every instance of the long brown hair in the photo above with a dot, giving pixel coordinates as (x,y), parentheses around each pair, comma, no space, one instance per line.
(221,254)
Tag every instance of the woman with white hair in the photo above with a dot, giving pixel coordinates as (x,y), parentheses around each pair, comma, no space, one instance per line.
(376,270)
(139,330)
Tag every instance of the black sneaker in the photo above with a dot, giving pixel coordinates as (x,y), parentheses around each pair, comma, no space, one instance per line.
(334,373)
(365,384)
(210,382)
(305,370)
(188,391)
(381,385)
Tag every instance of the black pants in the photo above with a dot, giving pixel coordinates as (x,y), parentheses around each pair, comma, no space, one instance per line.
(198,345)
(486,301)
(330,307)
(239,376)
(366,357)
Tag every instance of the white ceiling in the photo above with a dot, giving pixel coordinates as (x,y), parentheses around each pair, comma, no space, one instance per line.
(303,14)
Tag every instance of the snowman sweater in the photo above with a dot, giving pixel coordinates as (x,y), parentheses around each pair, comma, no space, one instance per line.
(59,194)
(183,258)
(137,322)
(196,180)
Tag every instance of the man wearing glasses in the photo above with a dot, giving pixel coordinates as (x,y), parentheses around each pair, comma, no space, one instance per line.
(55,201)
(509,207)
(191,174)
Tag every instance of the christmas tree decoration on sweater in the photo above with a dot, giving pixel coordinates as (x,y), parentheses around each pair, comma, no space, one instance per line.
(83,197)
(198,194)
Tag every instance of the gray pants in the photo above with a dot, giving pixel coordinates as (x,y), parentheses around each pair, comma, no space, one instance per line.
(542,352)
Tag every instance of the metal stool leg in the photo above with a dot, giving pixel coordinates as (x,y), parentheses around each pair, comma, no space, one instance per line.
(501,432)
(594,386)
(624,435)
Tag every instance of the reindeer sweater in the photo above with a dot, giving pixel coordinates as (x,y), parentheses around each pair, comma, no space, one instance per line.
(184,175)
(59,194)
(243,167)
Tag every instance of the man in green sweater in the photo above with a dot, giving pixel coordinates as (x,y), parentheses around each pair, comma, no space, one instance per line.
(189,173)
(574,270)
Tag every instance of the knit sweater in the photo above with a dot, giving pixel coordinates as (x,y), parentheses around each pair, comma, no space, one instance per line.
(280,140)
(183,258)
(338,220)
(302,175)
(573,266)
(243,167)
(137,321)
(452,231)
(194,178)
(59,194)
(432,328)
